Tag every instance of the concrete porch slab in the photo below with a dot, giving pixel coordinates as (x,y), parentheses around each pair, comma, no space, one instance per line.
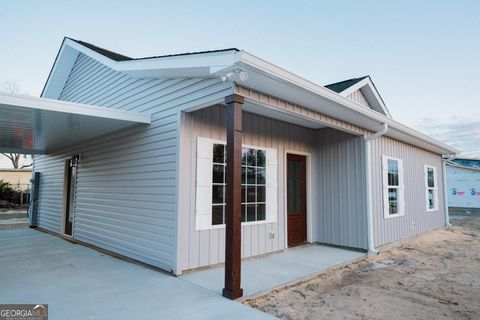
(80,283)
(263,274)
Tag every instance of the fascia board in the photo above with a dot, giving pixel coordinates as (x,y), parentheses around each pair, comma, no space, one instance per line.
(24,101)
(348,105)
(60,71)
(206,62)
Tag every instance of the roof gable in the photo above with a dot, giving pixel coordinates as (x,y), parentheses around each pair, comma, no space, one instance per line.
(363,86)
(231,65)
(195,64)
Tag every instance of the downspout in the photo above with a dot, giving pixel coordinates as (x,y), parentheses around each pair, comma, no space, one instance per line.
(445,191)
(369,188)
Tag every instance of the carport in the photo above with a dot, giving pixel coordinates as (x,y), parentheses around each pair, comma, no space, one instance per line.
(76,281)
(33,125)
(80,283)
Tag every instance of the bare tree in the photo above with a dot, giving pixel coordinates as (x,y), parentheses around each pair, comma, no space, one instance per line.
(13,86)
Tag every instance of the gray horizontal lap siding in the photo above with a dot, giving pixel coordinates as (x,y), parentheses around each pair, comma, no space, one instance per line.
(416,219)
(127,180)
(50,192)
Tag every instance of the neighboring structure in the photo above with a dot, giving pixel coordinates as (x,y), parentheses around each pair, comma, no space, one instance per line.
(19,179)
(463,182)
(146,173)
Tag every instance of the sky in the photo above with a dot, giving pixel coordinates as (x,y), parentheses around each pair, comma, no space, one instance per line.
(421,55)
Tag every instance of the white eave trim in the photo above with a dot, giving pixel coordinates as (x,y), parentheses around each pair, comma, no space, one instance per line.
(35,103)
(209,61)
(212,64)
(312,87)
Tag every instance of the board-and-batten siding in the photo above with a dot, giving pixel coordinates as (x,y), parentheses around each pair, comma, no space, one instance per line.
(358,97)
(200,248)
(341,189)
(126,183)
(416,219)
(336,167)
(386,230)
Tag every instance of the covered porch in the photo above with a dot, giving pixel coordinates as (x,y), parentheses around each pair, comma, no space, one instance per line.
(259,252)
(268,272)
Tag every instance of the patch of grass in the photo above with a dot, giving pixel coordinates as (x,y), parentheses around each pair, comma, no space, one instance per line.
(7,216)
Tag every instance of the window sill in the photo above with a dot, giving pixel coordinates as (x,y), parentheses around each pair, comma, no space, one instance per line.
(244,224)
(432,210)
(393,215)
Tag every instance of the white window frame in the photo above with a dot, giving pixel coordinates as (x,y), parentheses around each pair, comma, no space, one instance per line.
(204,182)
(434,188)
(400,188)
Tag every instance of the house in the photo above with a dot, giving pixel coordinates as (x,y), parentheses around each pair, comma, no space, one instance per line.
(133,158)
(19,179)
(463,182)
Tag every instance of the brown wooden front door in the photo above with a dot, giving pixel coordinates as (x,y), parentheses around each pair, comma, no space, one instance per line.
(296,199)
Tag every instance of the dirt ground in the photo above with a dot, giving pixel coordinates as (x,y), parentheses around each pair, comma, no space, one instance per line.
(434,276)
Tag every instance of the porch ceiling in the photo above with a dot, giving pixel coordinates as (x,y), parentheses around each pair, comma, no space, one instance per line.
(36,125)
(256,108)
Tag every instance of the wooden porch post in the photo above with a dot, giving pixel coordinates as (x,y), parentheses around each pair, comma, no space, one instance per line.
(233,194)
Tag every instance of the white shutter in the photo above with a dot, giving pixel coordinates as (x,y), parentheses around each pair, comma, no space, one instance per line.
(272,185)
(203,194)
(385,185)
(401,200)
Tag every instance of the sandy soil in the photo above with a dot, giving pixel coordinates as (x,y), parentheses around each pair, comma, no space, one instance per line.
(435,276)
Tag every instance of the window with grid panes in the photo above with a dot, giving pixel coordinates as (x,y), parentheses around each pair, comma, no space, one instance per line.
(253,184)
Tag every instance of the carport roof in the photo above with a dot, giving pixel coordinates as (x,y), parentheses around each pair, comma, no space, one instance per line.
(37,125)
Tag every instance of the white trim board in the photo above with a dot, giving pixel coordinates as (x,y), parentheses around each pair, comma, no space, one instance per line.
(35,103)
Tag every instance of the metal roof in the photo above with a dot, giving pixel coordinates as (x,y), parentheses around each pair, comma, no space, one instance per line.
(120,57)
(342,85)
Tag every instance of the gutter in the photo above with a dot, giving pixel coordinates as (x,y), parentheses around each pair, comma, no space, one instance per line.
(369,188)
(445,191)
(274,72)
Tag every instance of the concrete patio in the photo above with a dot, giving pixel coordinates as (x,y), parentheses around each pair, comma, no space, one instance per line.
(263,274)
(80,283)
